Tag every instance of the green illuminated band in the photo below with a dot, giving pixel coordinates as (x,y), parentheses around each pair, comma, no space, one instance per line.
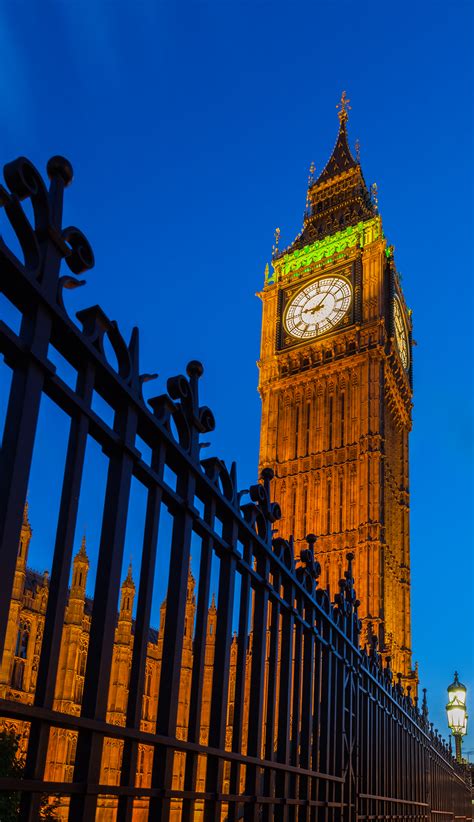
(353,236)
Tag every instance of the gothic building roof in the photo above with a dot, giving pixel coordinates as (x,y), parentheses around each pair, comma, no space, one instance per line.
(339,197)
(33,579)
(341,158)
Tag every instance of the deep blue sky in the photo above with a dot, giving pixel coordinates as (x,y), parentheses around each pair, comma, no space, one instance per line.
(191,127)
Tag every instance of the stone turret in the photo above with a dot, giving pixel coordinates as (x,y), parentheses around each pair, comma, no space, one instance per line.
(127,596)
(77,594)
(16,602)
(23,547)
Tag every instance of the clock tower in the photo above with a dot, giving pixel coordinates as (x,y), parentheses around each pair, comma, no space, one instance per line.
(336,390)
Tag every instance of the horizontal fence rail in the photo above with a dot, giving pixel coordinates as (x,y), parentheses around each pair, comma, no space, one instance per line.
(256,704)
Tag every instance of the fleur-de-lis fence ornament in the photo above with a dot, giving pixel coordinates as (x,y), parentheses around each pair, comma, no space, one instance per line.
(284,550)
(223,479)
(399,685)
(346,600)
(373,653)
(261,513)
(181,405)
(310,569)
(43,242)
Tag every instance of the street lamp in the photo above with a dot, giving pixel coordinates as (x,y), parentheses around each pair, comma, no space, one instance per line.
(457,714)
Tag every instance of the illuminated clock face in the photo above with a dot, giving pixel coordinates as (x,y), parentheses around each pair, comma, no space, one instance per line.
(318,307)
(401,336)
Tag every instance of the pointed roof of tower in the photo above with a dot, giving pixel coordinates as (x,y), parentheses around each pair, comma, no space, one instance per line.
(338,198)
(128,581)
(82,553)
(82,549)
(26,519)
(341,158)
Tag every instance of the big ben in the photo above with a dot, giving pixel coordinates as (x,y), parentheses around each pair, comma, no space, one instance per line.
(336,390)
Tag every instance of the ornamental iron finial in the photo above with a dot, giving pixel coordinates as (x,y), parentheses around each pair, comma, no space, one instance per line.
(346,600)
(309,569)
(343,107)
(262,513)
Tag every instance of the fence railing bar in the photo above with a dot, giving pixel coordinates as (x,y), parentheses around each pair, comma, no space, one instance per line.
(58,592)
(141,633)
(104,611)
(318,729)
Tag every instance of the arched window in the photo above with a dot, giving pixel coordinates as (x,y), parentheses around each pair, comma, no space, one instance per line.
(308,426)
(70,751)
(341,502)
(297,425)
(294,511)
(331,404)
(343,410)
(22,639)
(328,512)
(305,510)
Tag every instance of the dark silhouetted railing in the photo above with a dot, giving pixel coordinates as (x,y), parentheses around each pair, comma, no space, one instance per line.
(301,723)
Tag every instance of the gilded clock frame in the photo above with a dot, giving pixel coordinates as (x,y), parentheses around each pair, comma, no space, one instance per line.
(287,294)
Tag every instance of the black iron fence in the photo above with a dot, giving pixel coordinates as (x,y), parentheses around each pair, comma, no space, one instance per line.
(287,718)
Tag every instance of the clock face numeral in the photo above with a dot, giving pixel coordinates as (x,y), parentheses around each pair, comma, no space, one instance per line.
(401,336)
(318,307)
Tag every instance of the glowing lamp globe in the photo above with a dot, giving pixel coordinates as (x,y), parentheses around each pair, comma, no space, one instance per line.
(456,707)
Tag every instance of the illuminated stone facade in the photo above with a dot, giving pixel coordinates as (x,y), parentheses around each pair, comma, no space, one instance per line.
(336,400)
(20,665)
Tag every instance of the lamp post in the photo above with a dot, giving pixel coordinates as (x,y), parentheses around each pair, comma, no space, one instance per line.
(457,714)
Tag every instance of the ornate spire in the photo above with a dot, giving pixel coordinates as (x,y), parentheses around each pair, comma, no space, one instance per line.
(333,204)
(26,519)
(128,581)
(341,158)
(82,553)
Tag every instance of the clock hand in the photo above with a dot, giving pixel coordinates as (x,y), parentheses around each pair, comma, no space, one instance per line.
(316,308)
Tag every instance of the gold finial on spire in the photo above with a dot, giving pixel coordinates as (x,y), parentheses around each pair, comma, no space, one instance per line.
(277,238)
(344,108)
(374,195)
(357,148)
(312,169)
